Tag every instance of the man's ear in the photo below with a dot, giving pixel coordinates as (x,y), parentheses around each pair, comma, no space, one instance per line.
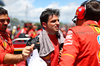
(44,24)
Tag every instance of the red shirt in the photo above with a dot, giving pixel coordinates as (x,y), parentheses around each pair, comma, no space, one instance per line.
(32,33)
(23,30)
(6,46)
(52,58)
(82,46)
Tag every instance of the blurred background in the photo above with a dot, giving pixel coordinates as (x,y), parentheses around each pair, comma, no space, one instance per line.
(22,11)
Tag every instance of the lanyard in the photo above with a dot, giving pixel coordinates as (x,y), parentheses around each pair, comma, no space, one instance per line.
(3,42)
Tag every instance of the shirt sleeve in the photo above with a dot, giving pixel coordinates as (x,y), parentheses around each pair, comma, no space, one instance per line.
(70,49)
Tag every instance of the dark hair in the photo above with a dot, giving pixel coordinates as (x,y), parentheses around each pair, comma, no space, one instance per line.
(84,3)
(3,11)
(48,12)
(92,10)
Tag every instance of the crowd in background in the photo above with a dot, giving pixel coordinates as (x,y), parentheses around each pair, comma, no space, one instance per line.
(30,30)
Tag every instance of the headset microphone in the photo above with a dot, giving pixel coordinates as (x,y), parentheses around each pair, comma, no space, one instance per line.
(80,13)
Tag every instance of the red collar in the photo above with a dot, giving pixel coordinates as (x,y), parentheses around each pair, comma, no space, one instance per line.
(89,22)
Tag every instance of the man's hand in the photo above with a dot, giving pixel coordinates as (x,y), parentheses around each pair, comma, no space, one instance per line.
(27,51)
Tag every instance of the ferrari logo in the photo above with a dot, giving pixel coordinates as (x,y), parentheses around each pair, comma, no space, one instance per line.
(5,44)
(97,29)
(98,56)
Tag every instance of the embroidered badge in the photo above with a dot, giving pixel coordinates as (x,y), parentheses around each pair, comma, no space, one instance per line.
(98,39)
(96,30)
(4,44)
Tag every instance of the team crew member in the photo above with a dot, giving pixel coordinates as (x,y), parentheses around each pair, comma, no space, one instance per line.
(7,58)
(33,32)
(82,43)
(24,31)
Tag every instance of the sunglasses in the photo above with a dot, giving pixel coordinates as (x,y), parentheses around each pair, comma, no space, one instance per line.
(3,20)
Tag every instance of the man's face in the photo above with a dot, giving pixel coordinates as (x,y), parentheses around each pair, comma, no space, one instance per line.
(52,25)
(34,27)
(4,21)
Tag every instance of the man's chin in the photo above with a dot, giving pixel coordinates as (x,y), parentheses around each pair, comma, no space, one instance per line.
(4,30)
(57,29)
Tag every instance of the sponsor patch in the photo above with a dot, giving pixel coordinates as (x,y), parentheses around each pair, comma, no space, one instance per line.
(96,29)
(98,39)
(5,44)
(68,40)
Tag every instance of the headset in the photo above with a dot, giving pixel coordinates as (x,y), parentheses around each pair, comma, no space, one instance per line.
(81,11)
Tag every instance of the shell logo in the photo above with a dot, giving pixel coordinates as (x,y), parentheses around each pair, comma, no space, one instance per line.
(77,13)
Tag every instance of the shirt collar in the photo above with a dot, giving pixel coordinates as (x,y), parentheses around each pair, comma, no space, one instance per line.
(88,22)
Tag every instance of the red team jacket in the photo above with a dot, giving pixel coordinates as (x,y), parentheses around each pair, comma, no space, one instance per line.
(82,46)
(6,46)
(23,30)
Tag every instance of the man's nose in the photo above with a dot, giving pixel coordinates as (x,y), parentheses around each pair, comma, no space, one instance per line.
(6,22)
(57,22)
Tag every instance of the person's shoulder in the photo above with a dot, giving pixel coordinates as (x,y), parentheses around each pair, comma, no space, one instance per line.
(78,27)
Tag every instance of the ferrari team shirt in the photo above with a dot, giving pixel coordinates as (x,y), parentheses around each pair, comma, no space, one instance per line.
(82,46)
(5,47)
